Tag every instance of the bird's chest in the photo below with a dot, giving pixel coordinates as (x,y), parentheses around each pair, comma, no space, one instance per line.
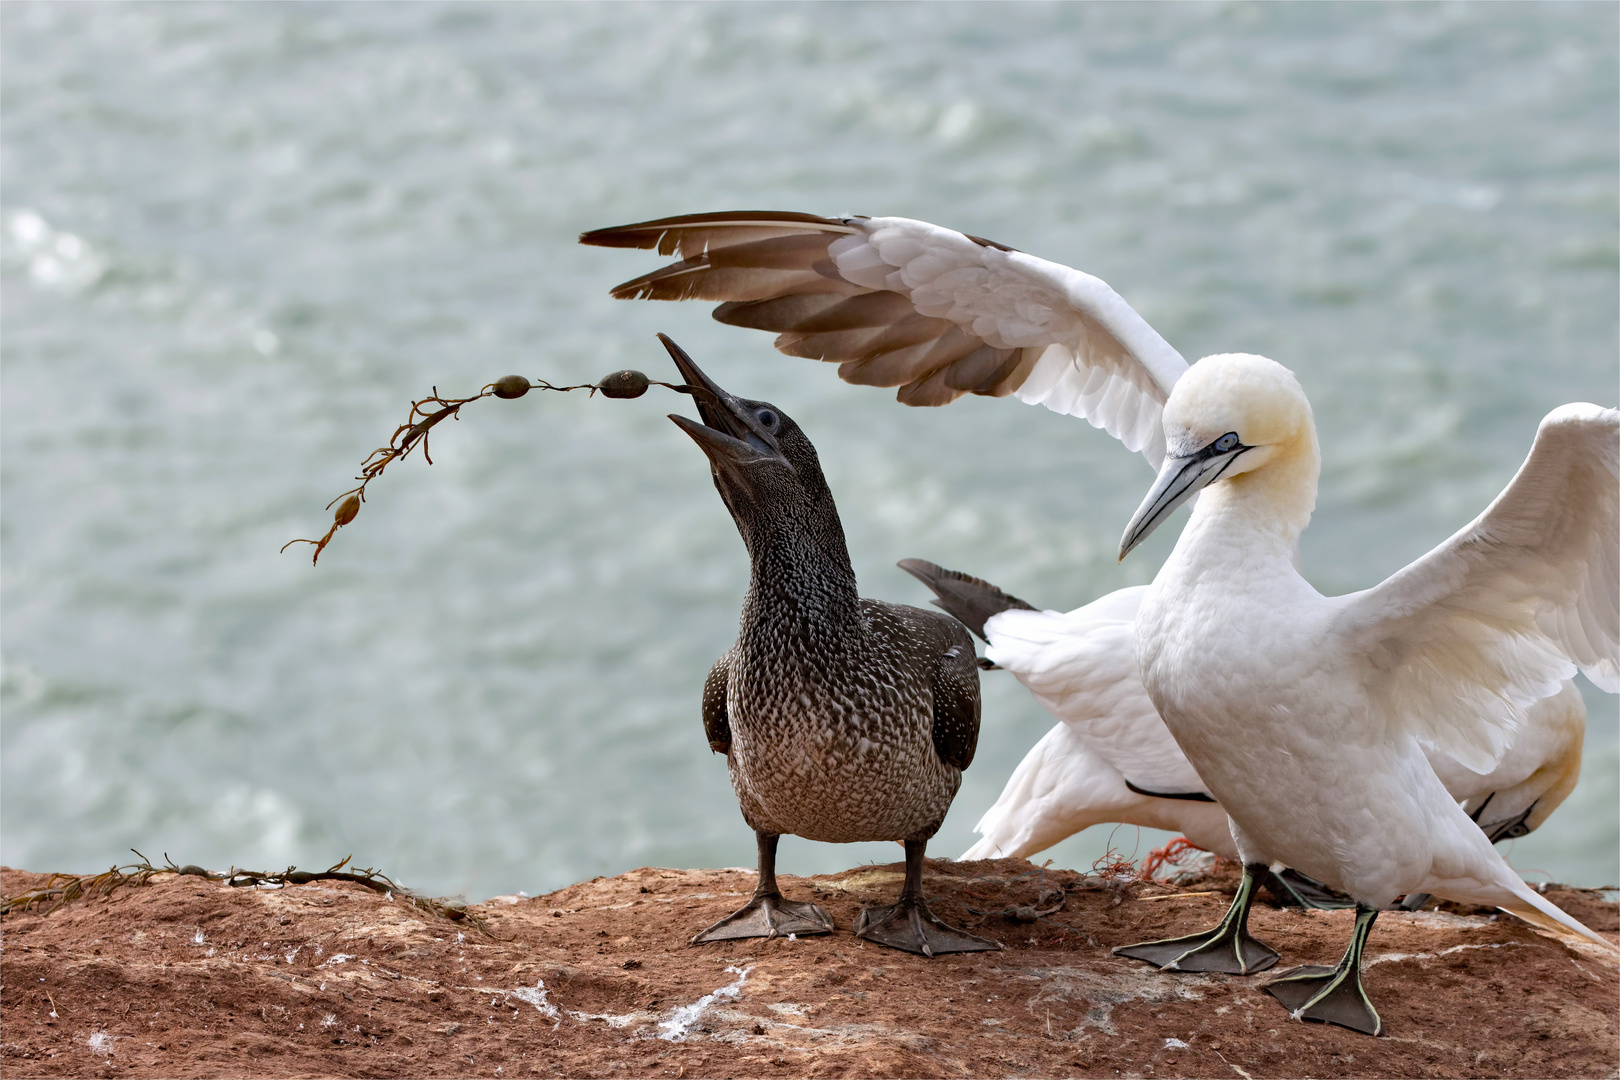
(801,698)
(1230,665)
(833,747)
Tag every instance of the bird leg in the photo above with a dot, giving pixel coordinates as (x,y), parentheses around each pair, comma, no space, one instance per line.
(768,915)
(909,925)
(1332,995)
(1294,889)
(1228,948)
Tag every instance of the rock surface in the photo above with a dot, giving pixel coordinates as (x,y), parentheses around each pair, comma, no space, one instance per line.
(186,977)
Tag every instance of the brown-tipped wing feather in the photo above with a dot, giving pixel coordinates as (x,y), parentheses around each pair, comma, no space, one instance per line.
(774,271)
(935,312)
(693,234)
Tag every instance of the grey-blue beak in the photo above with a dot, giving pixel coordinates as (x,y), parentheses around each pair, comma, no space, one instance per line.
(1179,480)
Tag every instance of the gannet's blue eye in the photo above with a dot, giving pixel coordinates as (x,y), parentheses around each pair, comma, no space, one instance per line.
(767,418)
(1226,442)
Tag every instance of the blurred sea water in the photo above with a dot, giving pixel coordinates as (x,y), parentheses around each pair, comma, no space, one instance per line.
(237,240)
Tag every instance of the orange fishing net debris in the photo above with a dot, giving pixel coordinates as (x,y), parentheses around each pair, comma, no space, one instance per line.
(1168,855)
(1114,867)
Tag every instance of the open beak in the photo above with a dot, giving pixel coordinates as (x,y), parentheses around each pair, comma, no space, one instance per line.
(728,434)
(1179,480)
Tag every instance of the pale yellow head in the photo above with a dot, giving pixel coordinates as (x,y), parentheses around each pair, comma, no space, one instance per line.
(1240,424)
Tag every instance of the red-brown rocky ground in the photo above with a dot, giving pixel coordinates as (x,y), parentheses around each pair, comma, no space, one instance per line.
(187,977)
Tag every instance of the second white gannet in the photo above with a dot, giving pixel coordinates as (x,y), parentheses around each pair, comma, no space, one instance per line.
(1308,716)
(1112,760)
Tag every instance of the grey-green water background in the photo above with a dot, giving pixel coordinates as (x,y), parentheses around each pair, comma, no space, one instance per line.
(237,240)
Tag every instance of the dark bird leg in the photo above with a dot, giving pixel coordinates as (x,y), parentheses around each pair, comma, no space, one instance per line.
(909,925)
(768,915)
(1294,889)
(1332,995)
(1228,948)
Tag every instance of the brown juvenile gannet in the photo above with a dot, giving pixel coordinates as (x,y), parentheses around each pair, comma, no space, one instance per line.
(842,719)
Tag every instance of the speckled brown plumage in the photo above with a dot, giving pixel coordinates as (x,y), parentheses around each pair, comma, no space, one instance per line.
(846,731)
(842,719)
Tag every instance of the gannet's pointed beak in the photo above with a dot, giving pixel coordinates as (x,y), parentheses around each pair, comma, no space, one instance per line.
(729,434)
(1178,481)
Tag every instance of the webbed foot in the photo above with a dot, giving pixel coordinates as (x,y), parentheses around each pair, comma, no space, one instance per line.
(1328,995)
(1332,995)
(767,917)
(1220,949)
(909,925)
(1228,948)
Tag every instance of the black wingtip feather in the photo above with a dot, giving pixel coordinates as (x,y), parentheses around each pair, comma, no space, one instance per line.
(969,600)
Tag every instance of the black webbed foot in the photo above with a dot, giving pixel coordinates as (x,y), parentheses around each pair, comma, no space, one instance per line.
(909,925)
(1327,995)
(1228,948)
(768,914)
(1332,995)
(1218,950)
(767,917)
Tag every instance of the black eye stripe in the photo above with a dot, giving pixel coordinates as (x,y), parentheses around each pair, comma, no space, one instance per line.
(1227,464)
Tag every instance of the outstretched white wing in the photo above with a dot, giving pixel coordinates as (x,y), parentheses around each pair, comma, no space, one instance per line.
(937,313)
(1462,641)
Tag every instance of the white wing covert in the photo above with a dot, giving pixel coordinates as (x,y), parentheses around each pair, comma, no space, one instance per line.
(1461,642)
(934,312)
(1081,665)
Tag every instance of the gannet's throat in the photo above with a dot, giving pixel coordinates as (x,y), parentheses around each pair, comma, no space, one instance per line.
(768,476)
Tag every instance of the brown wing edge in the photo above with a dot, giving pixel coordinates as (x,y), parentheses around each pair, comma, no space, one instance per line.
(716,721)
(955,686)
(969,600)
(672,233)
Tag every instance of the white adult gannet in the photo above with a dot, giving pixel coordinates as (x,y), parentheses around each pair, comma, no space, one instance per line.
(1308,716)
(1111,759)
